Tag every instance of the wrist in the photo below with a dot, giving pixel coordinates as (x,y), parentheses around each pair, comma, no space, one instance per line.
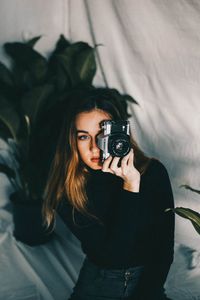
(132,186)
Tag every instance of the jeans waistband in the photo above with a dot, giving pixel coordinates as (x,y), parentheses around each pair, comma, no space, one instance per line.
(116,272)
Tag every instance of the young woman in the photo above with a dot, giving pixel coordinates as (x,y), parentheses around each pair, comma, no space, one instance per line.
(116,211)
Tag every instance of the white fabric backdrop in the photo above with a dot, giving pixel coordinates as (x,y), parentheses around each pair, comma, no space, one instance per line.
(151,50)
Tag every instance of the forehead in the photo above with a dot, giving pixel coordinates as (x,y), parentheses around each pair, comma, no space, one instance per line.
(90,121)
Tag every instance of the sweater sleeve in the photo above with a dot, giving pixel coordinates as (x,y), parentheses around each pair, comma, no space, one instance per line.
(162,239)
(28,224)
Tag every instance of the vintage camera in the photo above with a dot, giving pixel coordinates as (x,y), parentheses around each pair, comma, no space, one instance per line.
(114,139)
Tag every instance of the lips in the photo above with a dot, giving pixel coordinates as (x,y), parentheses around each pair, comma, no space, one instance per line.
(95,159)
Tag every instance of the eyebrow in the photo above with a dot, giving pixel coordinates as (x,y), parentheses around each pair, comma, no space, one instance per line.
(84,131)
(77,131)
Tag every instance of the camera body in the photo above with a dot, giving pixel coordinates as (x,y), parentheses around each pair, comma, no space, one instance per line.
(114,139)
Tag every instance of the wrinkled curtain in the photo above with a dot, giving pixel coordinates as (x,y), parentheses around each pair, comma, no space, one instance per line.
(149,49)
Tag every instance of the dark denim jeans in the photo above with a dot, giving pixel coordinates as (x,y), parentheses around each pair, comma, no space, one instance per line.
(96,283)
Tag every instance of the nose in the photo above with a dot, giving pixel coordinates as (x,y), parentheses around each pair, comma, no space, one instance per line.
(93,146)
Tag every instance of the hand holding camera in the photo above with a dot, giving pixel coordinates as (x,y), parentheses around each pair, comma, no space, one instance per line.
(126,171)
(116,153)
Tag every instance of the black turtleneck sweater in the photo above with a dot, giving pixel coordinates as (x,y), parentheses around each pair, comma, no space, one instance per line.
(132,227)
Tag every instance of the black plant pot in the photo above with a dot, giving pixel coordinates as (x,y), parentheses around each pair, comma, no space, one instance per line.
(28,223)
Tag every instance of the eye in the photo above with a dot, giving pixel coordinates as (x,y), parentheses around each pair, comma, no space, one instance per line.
(83,137)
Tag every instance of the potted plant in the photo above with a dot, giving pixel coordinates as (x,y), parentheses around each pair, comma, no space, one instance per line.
(188,213)
(33,92)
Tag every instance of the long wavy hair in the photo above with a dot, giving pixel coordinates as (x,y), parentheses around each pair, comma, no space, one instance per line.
(68,175)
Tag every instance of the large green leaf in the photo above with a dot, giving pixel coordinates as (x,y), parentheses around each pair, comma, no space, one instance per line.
(66,64)
(189,214)
(58,75)
(75,49)
(34,101)
(197,227)
(31,174)
(190,188)
(62,80)
(31,43)
(61,45)
(23,80)
(6,76)
(9,117)
(86,65)
(8,92)
(129,98)
(78,62)
(6,170)
(14,123)
(4,131)
(28,59)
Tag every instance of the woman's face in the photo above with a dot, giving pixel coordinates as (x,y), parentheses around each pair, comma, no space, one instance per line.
(87,128)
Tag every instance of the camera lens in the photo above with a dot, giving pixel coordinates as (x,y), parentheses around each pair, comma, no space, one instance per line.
(119,146)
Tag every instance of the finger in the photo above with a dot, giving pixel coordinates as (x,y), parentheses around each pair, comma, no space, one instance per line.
(131,158)
(106,164)
(114,164)
(125,160)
